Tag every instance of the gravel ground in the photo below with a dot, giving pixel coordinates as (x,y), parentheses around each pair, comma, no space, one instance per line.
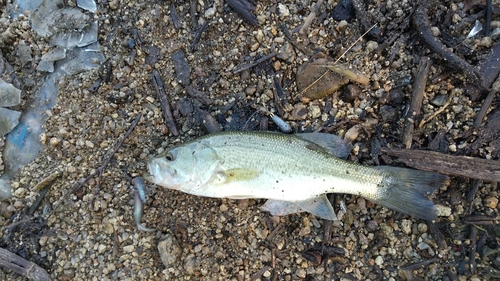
(93,236)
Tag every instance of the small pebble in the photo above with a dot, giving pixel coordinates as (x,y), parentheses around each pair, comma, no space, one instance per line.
(443,211)
(486,42)
(491,202)
(54,141)
(406,226)
(435,31)
(440,100)
(342,25)
(422,227)
(371,46)
(169,250)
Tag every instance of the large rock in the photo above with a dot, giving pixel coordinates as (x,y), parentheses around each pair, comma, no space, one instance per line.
(9,94)
(8,120)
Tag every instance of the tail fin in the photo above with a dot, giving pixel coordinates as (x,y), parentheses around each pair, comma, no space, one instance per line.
(405,190)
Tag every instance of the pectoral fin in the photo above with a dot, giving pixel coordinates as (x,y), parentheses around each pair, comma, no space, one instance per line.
(280,208)
(319,206)
(332,144)
(236,174)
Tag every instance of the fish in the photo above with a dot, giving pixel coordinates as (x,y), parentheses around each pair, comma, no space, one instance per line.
(139,201)
(294,172)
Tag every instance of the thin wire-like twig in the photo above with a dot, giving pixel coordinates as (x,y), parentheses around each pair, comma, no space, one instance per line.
(336,61)
(425,120)
(252,64)
(99,170)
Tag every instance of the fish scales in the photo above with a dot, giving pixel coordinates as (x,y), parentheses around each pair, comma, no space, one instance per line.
(288,165)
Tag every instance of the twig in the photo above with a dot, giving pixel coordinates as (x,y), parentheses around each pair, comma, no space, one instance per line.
(484,107)
(174,17)
(419,264)
(311,17)
(481,220)
(365,17)
(15,263)
(416,100)
(242,8)
(290,39)
(43,188)
(162,96)
(480,243)
(425,120)
(260,272)
(473,248)
(106,162)
(279,97)
(487,24)
(438,235)
(473,191)
(198,95)
(194,18)
(252,64)
(465,166)
(424,29)
(198,36)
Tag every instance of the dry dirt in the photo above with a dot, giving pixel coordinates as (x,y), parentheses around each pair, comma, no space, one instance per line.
(93,236)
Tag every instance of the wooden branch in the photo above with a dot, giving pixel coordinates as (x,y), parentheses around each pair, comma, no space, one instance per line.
(15,263)
(416,100)
(464,166)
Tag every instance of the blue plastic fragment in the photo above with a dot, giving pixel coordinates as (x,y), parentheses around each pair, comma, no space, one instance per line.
(18,135)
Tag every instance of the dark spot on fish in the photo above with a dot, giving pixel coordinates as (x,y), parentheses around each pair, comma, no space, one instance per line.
(347,172)
(282,190)
(277,181)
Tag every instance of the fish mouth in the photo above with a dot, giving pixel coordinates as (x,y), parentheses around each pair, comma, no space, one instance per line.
(161,174)
(148,177)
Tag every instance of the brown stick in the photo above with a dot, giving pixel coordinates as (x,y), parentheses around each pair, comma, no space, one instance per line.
(162,96)
(174,17)
(311,17)
(416,100)
(15,263)
(473,249)
(484,107)
(198,36)
(252,64)
(464,166)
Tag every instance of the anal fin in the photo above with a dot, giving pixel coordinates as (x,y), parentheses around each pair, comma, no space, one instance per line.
(318,206)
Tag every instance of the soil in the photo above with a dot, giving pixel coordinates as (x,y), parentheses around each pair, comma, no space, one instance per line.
(92,234)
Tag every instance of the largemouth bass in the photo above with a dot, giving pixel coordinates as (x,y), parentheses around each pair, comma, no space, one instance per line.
(295,172)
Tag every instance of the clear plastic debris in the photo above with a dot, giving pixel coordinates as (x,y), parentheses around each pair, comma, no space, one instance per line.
(88,5)
(475,30)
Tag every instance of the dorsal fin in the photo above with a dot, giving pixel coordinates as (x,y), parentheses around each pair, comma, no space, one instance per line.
(332,144)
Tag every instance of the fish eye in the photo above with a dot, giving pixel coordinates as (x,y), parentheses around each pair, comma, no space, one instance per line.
(170,156)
